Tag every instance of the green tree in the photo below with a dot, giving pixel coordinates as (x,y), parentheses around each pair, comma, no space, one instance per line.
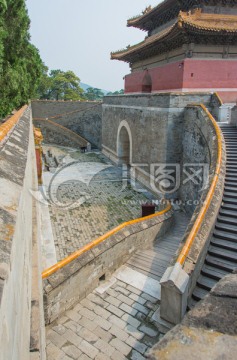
(20,62)
(60,85)
(120,92)
(93,94)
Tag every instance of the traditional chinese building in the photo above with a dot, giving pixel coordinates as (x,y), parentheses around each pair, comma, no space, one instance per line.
(191,46)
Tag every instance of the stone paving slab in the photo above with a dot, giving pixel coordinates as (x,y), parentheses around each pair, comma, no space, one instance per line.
(88,196)
(139,281)
(106,325)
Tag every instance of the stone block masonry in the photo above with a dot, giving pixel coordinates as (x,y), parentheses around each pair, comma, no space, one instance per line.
(84,118)
(17,177)
(59,135)
(147,129)
(91,330)
(67,286)
(208,331)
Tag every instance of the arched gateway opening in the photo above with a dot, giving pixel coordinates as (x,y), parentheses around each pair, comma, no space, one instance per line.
(124,144)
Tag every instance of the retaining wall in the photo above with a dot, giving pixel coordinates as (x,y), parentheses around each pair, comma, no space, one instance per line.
(59,135)
(17,177)
(234,116)
(208,331)
(199,153)
(180,279)
(197,254)
(76,280)
(84,118)
(155,124)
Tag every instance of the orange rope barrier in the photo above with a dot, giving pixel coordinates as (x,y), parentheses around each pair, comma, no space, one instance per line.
(8,125)
(99,240)
(187,246)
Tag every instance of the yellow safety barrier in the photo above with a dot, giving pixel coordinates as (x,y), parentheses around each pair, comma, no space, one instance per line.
(8,125)
(99,240)
(185,250)
(219,98)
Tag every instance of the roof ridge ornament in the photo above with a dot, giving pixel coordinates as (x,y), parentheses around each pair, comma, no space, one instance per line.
(147,10)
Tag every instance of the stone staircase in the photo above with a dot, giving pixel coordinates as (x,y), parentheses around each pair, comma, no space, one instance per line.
(221,257)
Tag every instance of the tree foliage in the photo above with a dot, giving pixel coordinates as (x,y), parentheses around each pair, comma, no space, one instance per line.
(20,62)
(93,94)
(59,85)
(120,92)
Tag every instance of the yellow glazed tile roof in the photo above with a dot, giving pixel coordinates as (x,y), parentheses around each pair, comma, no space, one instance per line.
(148,41)
(186,21)
(209,22)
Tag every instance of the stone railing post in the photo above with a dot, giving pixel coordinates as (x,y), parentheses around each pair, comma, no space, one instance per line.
(174,294)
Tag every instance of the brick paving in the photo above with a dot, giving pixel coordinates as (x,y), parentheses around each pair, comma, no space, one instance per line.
(91,197)
(115,324)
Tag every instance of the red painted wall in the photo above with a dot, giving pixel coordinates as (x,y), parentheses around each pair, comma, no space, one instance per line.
(39,164)
(133,82)
(169,76)
(190,74)
(210,74)
(166,77)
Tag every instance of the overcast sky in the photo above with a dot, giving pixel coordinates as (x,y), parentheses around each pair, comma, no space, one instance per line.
(79,35)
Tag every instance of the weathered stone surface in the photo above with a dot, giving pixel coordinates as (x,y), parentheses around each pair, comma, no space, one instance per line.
(217,313)
(207,331)
(226,287)
(68,286)
(18,291)
(7,222)
(195,344)
(218,309)
(84,118)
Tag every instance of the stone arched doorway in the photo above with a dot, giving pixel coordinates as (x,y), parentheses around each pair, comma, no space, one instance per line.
(147,83)
(124,144)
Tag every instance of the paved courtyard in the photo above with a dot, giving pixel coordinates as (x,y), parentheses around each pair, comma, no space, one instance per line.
(87,197)
(113,322)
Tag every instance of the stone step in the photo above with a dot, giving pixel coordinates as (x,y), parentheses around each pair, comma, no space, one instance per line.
(220,264)
(223,254)
(213,272)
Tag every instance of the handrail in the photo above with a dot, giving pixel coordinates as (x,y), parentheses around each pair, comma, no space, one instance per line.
(46,273)
(185,250)
(8,125)
(64,128)
(219,98)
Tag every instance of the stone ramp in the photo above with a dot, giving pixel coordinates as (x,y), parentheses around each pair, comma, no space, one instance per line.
(113,322)
(116,321)
(154,262)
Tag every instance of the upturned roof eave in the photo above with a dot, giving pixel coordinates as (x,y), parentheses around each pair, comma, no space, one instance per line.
(178,27)
(140,21)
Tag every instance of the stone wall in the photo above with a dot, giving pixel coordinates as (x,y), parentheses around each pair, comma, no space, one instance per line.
(208,331)
(179,280)
(59,135)
(197,253)
(199,153)
(155,125)
(76,280)
(84,118)
(234,116)
(17,178)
